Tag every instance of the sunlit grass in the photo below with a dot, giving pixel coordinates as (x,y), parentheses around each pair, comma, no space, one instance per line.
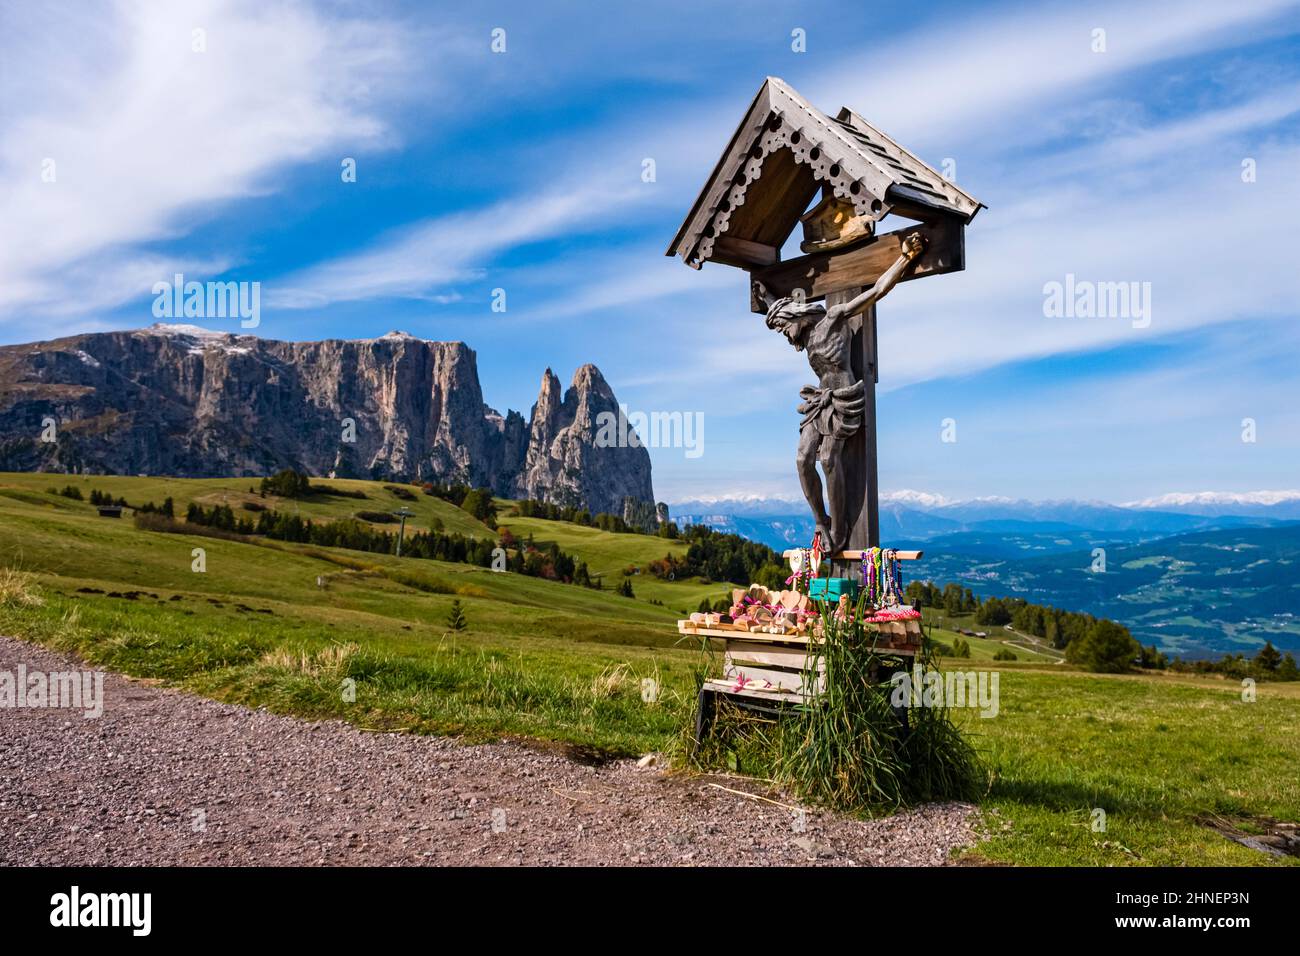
(284,626)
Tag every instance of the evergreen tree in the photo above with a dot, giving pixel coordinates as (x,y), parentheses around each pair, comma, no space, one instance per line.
(479,503)
(1268,658)
(952,600)
(1288,670)
(1151,658)
(287,484)
(1106,648)
(993,611)
(456,616)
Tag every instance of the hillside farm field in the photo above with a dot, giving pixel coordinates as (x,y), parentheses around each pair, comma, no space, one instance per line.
(1174,762)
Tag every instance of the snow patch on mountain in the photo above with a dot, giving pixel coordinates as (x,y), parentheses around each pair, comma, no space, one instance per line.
(1183,499)
(915,499)
(192,331)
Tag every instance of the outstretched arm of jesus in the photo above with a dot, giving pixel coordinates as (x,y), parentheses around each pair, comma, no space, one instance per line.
(913,246)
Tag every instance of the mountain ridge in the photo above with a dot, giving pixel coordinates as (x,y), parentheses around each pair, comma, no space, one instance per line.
(190,402)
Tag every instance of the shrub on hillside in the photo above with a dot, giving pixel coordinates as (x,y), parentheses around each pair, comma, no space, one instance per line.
(287,484)
(152,521)
(479,503)
(378,517)
(1106,648)
(103,499)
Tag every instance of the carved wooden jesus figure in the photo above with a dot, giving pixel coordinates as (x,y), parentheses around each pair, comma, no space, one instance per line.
(832,409)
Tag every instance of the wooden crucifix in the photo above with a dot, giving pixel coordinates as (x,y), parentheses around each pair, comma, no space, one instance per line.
(838,427)
(841,340)
(824,301)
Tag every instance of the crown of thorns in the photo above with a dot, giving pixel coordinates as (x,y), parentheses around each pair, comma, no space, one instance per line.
(788,309)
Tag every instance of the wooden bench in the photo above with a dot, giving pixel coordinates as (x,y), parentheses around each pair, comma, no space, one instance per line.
(771,673)
(777,665)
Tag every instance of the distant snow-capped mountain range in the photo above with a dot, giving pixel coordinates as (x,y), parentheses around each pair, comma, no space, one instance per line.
(918,515)
(1221,502)
(1218,502)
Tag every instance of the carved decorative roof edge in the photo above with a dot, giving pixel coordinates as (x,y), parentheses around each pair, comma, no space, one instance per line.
(858,162)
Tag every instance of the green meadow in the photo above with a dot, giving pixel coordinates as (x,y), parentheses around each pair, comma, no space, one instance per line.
(1171,760)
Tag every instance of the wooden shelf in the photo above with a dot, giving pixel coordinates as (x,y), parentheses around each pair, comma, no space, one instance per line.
(801,640)
(855,555)
(732,634)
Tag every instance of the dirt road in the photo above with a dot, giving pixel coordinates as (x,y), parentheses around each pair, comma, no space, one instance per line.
(165,777)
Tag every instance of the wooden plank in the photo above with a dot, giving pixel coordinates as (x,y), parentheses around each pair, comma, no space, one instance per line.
(905,646)
(862,482)
(733,251)
(753,652)
(786,680)
(773,202)
(820,274)
(729,688)
(856,555)
(724,172)
(729,634)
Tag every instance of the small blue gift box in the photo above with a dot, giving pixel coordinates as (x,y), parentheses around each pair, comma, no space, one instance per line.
(832,589)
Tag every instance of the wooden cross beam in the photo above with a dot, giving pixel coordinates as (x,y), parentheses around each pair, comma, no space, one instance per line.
(838,276)
(820,274)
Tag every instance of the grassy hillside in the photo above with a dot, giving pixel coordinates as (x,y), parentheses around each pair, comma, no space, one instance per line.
(214,631)
(609,555)
(235,492)
(1162,755)
(1026,647)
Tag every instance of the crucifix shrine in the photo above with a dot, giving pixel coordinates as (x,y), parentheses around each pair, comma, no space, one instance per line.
(785,154)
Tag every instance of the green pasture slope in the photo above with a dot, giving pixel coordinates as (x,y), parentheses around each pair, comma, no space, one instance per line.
(1164,756)
(610,555)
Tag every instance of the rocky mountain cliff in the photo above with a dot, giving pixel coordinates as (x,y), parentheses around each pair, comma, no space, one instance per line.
(178,400)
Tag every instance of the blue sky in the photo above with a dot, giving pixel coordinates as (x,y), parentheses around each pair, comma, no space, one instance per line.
(522,171)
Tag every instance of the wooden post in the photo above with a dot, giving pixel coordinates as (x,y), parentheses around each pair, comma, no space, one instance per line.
(861,482)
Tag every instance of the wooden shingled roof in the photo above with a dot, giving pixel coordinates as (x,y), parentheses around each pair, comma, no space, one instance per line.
(782,153)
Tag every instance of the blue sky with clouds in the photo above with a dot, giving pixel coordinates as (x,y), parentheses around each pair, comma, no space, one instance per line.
(522,171)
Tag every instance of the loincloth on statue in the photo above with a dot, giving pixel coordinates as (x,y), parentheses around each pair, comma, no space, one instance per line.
(834,412)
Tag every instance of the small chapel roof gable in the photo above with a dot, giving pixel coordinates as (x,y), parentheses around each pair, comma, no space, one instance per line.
(783,152)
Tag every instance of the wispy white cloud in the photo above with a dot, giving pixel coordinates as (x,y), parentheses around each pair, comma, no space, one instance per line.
(428,258)
(416,260)
(148,136)
(1195,238)
(975,77)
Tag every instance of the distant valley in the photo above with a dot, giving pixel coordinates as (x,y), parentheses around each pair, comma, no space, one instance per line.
(1194,583)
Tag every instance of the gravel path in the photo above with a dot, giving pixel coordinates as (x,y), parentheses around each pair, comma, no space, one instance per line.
(165,777)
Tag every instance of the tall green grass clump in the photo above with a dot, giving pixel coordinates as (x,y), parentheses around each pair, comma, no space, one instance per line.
(851,749)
